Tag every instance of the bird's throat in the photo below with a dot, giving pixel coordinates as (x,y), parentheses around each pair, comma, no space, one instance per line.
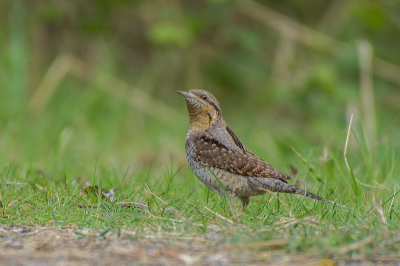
(199,119)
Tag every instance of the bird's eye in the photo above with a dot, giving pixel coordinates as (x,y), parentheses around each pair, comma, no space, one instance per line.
(204,97)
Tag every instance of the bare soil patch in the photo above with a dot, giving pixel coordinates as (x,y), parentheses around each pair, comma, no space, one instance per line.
(74,246)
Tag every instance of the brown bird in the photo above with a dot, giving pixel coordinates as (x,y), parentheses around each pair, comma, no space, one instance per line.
(212,149)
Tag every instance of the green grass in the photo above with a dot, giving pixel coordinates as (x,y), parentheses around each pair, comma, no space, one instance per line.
(46,159)
(177,203)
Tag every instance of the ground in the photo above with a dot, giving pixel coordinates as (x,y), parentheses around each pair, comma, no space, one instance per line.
(74,246)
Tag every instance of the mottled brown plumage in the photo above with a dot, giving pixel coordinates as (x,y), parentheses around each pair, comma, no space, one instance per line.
(212,149)
(212,152)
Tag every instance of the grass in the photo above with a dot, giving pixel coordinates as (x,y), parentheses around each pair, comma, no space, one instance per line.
(48,159)
(170,201)
(45,171)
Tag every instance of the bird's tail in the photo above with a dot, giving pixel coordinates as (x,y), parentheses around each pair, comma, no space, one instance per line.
(277,185)
(311,195)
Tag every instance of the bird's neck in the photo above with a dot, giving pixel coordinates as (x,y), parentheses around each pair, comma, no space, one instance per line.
(204,123)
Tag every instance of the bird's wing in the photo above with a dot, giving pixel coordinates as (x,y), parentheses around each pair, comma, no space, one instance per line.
(209,151)
(219,130)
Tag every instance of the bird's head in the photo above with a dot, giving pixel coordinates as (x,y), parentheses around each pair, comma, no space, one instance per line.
(203,108)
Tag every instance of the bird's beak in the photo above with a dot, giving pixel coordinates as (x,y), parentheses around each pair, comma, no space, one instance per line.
(186,95)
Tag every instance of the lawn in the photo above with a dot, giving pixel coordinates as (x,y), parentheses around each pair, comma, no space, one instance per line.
(104,183)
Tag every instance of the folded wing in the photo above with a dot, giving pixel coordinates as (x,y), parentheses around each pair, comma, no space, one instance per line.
(212,152)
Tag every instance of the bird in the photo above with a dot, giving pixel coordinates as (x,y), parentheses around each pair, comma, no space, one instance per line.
(221,161)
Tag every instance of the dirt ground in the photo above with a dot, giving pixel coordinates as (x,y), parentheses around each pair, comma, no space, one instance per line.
(74,246)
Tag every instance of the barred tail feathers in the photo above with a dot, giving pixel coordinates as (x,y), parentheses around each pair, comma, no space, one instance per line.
(277,185)
(312,196)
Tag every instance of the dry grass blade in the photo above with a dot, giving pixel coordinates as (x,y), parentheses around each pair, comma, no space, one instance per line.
(39,187)
(347,141)
(391,203)
(275,196)
(356,245)
(263,244)
(285,223)
(379,211)
(381,186)
(219,216)
(56,73)
(346,160)
(23,185)
(12,203)
(365,54)
(15,183)
(154,195)
(284,53)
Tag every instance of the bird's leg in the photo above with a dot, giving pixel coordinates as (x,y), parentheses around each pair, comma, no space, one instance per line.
(245,201)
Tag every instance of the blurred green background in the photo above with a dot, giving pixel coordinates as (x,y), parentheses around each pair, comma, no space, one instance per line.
(93,83)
